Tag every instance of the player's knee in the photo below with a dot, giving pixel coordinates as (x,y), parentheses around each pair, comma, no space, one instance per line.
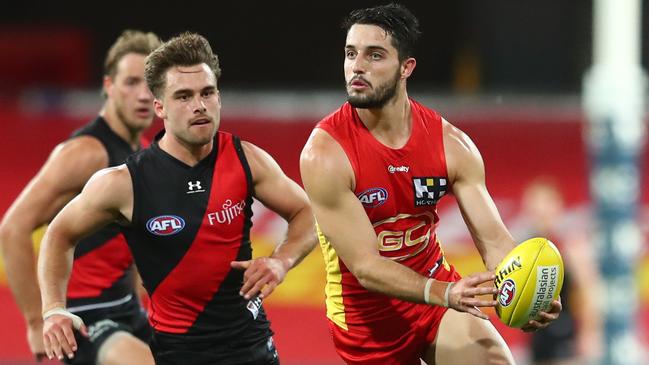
(465,339)
(494,352)
(122,348)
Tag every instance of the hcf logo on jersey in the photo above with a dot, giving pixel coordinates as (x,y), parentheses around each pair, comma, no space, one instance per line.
(165,225)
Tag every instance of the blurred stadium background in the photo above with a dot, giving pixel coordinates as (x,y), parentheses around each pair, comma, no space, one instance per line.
(509,73)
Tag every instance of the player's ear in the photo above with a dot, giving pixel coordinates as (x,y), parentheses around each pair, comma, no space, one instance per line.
(107,85)
(159,109)
(407,67)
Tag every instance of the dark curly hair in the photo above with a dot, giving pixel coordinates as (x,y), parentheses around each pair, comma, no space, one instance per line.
(396,20)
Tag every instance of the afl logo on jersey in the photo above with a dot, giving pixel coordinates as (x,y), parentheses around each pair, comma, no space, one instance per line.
(165,225)
(373,197)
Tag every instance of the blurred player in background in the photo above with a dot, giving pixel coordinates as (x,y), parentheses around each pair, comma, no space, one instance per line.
(186,204)
(576,337)
(102,286)
(375,170)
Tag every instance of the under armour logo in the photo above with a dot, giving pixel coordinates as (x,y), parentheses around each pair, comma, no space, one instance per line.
(194,187)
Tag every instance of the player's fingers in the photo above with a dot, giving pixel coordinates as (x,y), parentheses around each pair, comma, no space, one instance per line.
(476,312)
(535,325)
(250,281)
(481,290)
(531,326)
(69,338)
(47,344)
(254,289)
(65,348)
(272,276)
(548,317)
(528,328)
(51,346)
(267,289)
(84,331)
(249,274)
(55,346)
(476,302)
(241,265)
(556,306)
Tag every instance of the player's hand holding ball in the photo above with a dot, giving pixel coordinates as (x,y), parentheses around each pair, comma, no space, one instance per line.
(529,280)
(465,295)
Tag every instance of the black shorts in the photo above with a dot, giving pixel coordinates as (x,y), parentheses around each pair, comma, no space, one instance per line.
(555,342)
(102,323)
(262,352)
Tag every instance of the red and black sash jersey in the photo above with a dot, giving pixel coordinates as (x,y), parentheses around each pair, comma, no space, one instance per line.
(101,272)
(188,225)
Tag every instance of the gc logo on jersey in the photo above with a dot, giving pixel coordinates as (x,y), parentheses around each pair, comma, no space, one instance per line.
(429,190)
(373,197)
(404,235)
(165,225)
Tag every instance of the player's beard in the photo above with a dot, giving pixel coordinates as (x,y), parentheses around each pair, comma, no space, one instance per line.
(379,98)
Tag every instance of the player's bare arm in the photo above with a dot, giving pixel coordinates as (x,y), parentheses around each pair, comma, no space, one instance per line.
(467,177)
(329,182)
(285,197)
(63,175)
(106,198)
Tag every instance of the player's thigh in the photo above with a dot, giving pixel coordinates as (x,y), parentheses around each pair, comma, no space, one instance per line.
(122,348)
(466,339)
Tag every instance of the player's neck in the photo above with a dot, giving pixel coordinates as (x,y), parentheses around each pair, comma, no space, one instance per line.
(188,154)
(391,124)
(132,137)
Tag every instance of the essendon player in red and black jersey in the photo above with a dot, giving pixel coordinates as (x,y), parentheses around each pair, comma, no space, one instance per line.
(188,224)
(375,170)
(186,204)
(102,272)
(101,288)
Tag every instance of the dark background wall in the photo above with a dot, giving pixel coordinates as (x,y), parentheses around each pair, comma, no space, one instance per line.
(467,45)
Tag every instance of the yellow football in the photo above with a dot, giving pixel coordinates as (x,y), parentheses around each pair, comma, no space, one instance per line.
(528,279)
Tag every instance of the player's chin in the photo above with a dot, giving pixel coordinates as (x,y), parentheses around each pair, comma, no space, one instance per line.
(360,100)
(202,138)
(141,121)
(353,93)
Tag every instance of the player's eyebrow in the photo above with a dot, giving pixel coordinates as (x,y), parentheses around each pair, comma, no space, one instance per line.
(186,91)
(180,92)
(369,48)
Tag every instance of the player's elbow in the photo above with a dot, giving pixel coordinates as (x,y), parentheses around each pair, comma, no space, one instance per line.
(10,235)
(365,272)
(5,236)
(57,238)
(365,281)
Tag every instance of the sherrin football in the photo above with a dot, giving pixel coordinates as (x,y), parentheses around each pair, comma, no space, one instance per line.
(528,279)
